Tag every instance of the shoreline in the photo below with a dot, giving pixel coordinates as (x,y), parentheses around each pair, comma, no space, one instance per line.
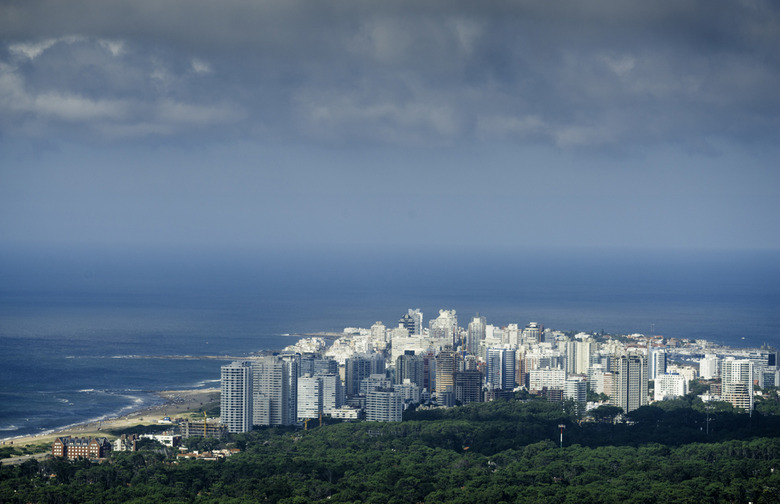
(175,402)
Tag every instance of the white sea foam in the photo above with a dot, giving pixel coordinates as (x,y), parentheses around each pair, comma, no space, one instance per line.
(202,384)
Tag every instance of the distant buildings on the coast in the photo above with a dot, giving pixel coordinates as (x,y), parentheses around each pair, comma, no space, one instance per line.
(81,447)
(378,372)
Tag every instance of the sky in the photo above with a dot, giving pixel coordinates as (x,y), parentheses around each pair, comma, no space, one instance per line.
(395,125)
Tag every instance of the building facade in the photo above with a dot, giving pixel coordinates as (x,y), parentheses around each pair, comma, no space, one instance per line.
(88,448)
(384,406)
(737,382)
(275,391)
(630,382)
(236,397)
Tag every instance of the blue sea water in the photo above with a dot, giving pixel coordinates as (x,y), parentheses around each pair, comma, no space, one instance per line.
(90,335)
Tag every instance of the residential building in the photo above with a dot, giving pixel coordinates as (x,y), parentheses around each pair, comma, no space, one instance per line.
(657,364)
(468,386)
(547,378)
(446,365)
(709,367)
(500,369)
(475,334)
(76,447)
(444,327)
(357,368)
(576,389)
(275,391)
(202,429)
(669,385)
(737,382)
(309,397)
(384,405)
(532,334)
(630,384)
(410,366)
(236,397)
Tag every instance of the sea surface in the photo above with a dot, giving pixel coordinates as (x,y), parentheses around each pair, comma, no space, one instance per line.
(93,334)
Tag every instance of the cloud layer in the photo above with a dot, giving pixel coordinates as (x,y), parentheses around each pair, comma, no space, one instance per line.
(568,74)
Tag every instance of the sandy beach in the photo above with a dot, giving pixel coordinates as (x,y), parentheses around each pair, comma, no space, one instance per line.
(177,403)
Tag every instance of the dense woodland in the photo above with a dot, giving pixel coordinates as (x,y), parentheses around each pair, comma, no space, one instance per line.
(502,451)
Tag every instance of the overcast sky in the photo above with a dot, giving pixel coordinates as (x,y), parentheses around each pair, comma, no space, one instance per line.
(503,125)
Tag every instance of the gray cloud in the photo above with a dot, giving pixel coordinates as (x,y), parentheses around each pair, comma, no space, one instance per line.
(570,74)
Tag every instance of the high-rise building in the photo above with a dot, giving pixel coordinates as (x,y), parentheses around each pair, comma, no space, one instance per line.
(444,327)
(379,332)
(429,371)
(384,405)
(576,389)
(709,367)
(374,382)
(378,365)
(412,321)
(309,397)
(446,365)
(275,390)
(512,335)
(596,379)
(500,368)
(547,378)
(737,382)
(468,386)
(532,333)
(410,366)
(578,355)
(313,364)
(475,334)
(630,384)
(657,364)
(332,392)
(236,397)
(356,368)
(411,393)
(669,385)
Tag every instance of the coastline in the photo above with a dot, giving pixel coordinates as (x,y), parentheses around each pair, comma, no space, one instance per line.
(175,402)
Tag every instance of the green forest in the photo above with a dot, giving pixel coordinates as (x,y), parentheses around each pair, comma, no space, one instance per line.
(501,451)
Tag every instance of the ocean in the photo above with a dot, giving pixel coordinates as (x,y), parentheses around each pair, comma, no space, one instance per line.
(90,335)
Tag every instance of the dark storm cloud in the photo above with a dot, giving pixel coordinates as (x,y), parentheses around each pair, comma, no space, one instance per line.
(573,74)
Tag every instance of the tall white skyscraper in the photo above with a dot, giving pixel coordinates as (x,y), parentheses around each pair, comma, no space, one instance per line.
(657,364)
(445,326)
(476,334)
(332,392)
(737,382)
(309,397)
(584,350)
(709,367)
(512,335)
(236,397)
(576,389)
(379,332)
(384,406)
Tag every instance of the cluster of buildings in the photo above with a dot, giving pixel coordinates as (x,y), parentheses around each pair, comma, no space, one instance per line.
(377,373)
(81,447)
(100,447)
